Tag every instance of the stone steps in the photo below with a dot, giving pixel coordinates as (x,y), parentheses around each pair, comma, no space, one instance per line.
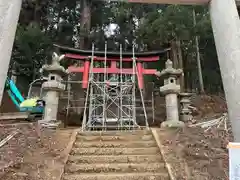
(114,167)
(115,155)
(114,151)
(114,159)
(115,138)
(117,144)
(117,176)
(115,133)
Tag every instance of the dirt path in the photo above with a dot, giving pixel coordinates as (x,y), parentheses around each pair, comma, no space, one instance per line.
(33,157)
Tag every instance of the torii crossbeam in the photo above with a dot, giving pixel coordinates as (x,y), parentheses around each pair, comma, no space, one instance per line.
(112,58)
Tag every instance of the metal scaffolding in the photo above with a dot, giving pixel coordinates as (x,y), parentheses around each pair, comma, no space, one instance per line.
(110,101)
(72,99)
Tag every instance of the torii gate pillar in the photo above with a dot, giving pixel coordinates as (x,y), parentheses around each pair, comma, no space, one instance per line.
(9,15)
(226,30)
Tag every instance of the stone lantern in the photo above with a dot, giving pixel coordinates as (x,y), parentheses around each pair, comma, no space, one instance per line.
(171,90)
(185,112)
(52,87)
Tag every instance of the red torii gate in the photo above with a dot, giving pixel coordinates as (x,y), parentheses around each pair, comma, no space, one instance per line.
(113,58)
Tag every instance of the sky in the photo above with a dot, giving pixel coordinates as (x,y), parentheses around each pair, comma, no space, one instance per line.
(109,31)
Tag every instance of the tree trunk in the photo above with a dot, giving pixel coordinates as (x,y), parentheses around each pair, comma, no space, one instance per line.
(85,27)
(201,84)
(174,54)
(187,75)
(180,64)
(14,73)
(85,24)
(177,60)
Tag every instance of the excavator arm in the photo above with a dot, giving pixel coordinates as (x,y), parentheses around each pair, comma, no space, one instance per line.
(28,105)
(28,111)
(14,93)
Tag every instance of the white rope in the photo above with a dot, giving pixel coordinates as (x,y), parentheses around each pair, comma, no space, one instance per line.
(10,136)
(214,122)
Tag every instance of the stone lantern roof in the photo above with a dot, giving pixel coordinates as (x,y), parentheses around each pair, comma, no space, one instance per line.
(169,71)
(54,67)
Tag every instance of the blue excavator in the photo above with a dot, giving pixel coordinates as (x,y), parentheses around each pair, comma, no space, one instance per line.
(29,109)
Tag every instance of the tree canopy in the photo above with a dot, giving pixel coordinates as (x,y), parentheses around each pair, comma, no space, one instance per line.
(151,27)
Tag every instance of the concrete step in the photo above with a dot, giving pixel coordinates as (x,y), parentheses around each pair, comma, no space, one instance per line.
(115,167)
(115,159)
(13,116)
(116,144)
(115,151)
(115,133)
(115,138)
(119,176)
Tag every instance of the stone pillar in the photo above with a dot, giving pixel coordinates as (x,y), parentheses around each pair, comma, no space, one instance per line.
(9,14)
(52,98)
(171,91)
(53,87)
(226,30)
(185,112)
(172,107)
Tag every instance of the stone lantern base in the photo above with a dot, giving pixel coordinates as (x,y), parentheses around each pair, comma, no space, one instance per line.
(172,124)
(186,117)
(49,124)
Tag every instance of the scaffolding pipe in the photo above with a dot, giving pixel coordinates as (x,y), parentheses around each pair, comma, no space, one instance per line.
(104,86)
(87,94)
(141,94)
(133,100)
(121,87)
(68,101)
(153,107)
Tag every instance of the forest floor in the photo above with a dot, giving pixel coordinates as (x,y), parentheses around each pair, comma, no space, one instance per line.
(196,153)
(193,153)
